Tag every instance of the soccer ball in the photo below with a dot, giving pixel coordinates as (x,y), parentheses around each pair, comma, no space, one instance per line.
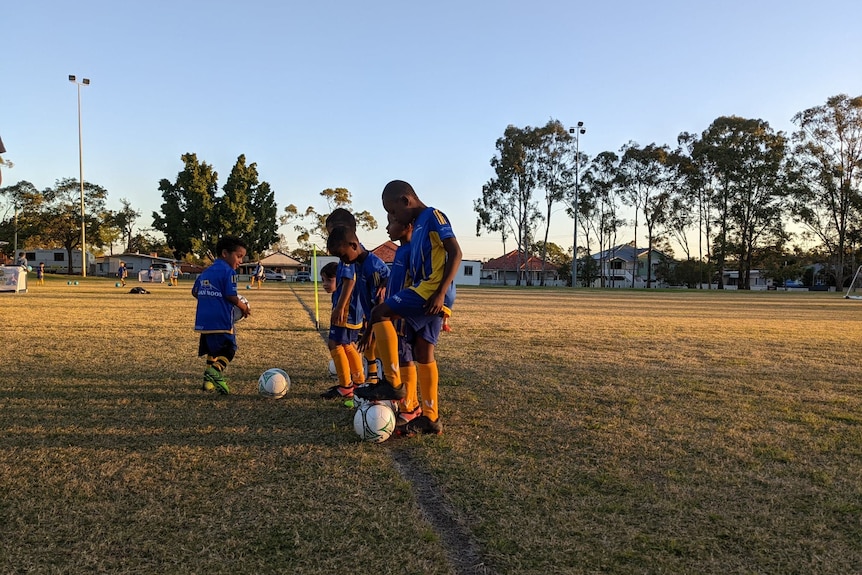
(332,371)
(117,284)
(273,383)
(237,313)
(374,422)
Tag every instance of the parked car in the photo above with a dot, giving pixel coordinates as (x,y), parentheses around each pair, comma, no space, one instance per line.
(302,277)
(272,276)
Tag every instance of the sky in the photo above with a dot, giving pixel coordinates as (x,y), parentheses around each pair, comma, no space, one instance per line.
(338,93)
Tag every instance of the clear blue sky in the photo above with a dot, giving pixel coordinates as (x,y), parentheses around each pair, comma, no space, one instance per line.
(354,94)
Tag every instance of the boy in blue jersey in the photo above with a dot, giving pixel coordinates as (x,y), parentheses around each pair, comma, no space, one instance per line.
(215,290)
(344,323)
(435,257)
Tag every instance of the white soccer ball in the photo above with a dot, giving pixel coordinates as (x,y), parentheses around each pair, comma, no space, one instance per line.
(332,371)
(273,383)
(237,313)
(374,422)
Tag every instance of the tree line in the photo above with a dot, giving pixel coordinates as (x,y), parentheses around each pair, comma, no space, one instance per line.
(736,188)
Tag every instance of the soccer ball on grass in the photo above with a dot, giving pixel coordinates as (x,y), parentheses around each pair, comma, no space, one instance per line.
(274,383)
(374,422)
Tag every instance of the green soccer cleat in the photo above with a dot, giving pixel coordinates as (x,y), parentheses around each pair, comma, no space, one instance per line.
(217,380)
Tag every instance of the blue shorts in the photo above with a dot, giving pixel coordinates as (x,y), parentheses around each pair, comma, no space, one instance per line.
(410,307)
(405,347)
(218,344)
(343,335)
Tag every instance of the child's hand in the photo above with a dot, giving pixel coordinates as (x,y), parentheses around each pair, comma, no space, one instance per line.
(434,305)
(245,309)
(365,339)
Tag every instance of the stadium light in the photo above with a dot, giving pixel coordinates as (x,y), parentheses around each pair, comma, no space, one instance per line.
(83,82)
(577,132)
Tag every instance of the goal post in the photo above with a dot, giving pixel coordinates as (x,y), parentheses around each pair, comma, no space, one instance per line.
(854,290)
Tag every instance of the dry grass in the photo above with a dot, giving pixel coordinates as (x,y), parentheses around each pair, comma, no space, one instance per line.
(587,432)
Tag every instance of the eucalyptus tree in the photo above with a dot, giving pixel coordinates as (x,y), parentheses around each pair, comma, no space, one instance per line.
(748,159)
(827,195)
(59,217)
(644,178)
(555,173)
(600,203)
(695,193)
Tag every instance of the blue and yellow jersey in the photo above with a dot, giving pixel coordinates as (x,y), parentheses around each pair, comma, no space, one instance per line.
(354,309)
(372,274)
(399,278)
(214,313)
(427,254)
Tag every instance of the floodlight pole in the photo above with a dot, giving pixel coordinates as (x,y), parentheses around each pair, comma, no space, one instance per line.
(577,132)
(83,82)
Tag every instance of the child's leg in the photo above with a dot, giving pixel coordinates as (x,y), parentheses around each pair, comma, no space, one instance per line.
(387,347)
(342,365)
(426,366)
(371,358)
(408,376)
(357,372)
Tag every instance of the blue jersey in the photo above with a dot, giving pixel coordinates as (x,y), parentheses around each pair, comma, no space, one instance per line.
(427,254)
(354,309)
(372,274)
(215,313)
(398,276)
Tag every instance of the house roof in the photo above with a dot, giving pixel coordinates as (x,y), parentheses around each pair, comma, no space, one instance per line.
(386,251)
(510,261)
(626,252)
(280,260)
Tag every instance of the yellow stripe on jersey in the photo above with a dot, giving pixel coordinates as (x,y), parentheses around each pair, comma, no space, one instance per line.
(441,219)
(438,262)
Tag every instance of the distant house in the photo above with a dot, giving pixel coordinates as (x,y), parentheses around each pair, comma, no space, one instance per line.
(277,262)
(469,273)
(57,260)
(625,266)
(506,269)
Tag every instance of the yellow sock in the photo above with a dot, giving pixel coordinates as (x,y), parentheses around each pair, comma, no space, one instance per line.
(387,348)
(428,379)
(408,376)
(342,367)
(357,372)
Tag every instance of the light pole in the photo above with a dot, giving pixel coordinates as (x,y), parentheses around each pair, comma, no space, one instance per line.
(577,132)
(83,82)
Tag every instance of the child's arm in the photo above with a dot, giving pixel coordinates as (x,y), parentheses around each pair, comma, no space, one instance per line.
(246,311)
(434,305)
(339,312)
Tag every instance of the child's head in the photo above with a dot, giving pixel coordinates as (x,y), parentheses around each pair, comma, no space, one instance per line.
(400,200)
(232,250)
(340,217)
(327,276)
(398,231)
(344,244)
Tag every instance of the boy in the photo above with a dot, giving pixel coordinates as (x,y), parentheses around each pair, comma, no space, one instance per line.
(371,278)
(434,260)
(175,274)
(258,275)
(348,363)
(215,290)
(40,273)
(122,273)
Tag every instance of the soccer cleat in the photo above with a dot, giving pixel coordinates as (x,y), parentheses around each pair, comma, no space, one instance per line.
(405,417)
(218,381)
(420,425)
(338,392)
(383,390)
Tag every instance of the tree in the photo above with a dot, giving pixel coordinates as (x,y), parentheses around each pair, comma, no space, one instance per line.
(826,197)
(187,212)
(748,162)
(19,217)
(507,199)
(310,225)
(125,219)
(59,216)
(555,172)
(232,213)
(600,203)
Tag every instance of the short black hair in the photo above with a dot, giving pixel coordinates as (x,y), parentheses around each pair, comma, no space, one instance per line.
(329,270)
(340,236)
(229,243)
(340,217)
(398,188)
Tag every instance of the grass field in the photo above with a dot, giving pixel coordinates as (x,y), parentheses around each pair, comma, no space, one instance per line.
(585,432)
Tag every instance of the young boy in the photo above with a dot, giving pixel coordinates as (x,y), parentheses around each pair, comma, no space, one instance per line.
(215,290)
(40,273)
(122,273)
(258,275)
(435,257)
(372,275)
(175,274)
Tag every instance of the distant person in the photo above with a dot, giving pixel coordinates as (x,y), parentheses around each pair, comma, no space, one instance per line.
(122,273)
(22,260)
(150,274)
(175,275)
(215,290)
(40,274)
(259,275)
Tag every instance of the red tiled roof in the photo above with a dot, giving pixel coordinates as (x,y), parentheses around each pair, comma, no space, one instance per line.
(386,251)
(510,260)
